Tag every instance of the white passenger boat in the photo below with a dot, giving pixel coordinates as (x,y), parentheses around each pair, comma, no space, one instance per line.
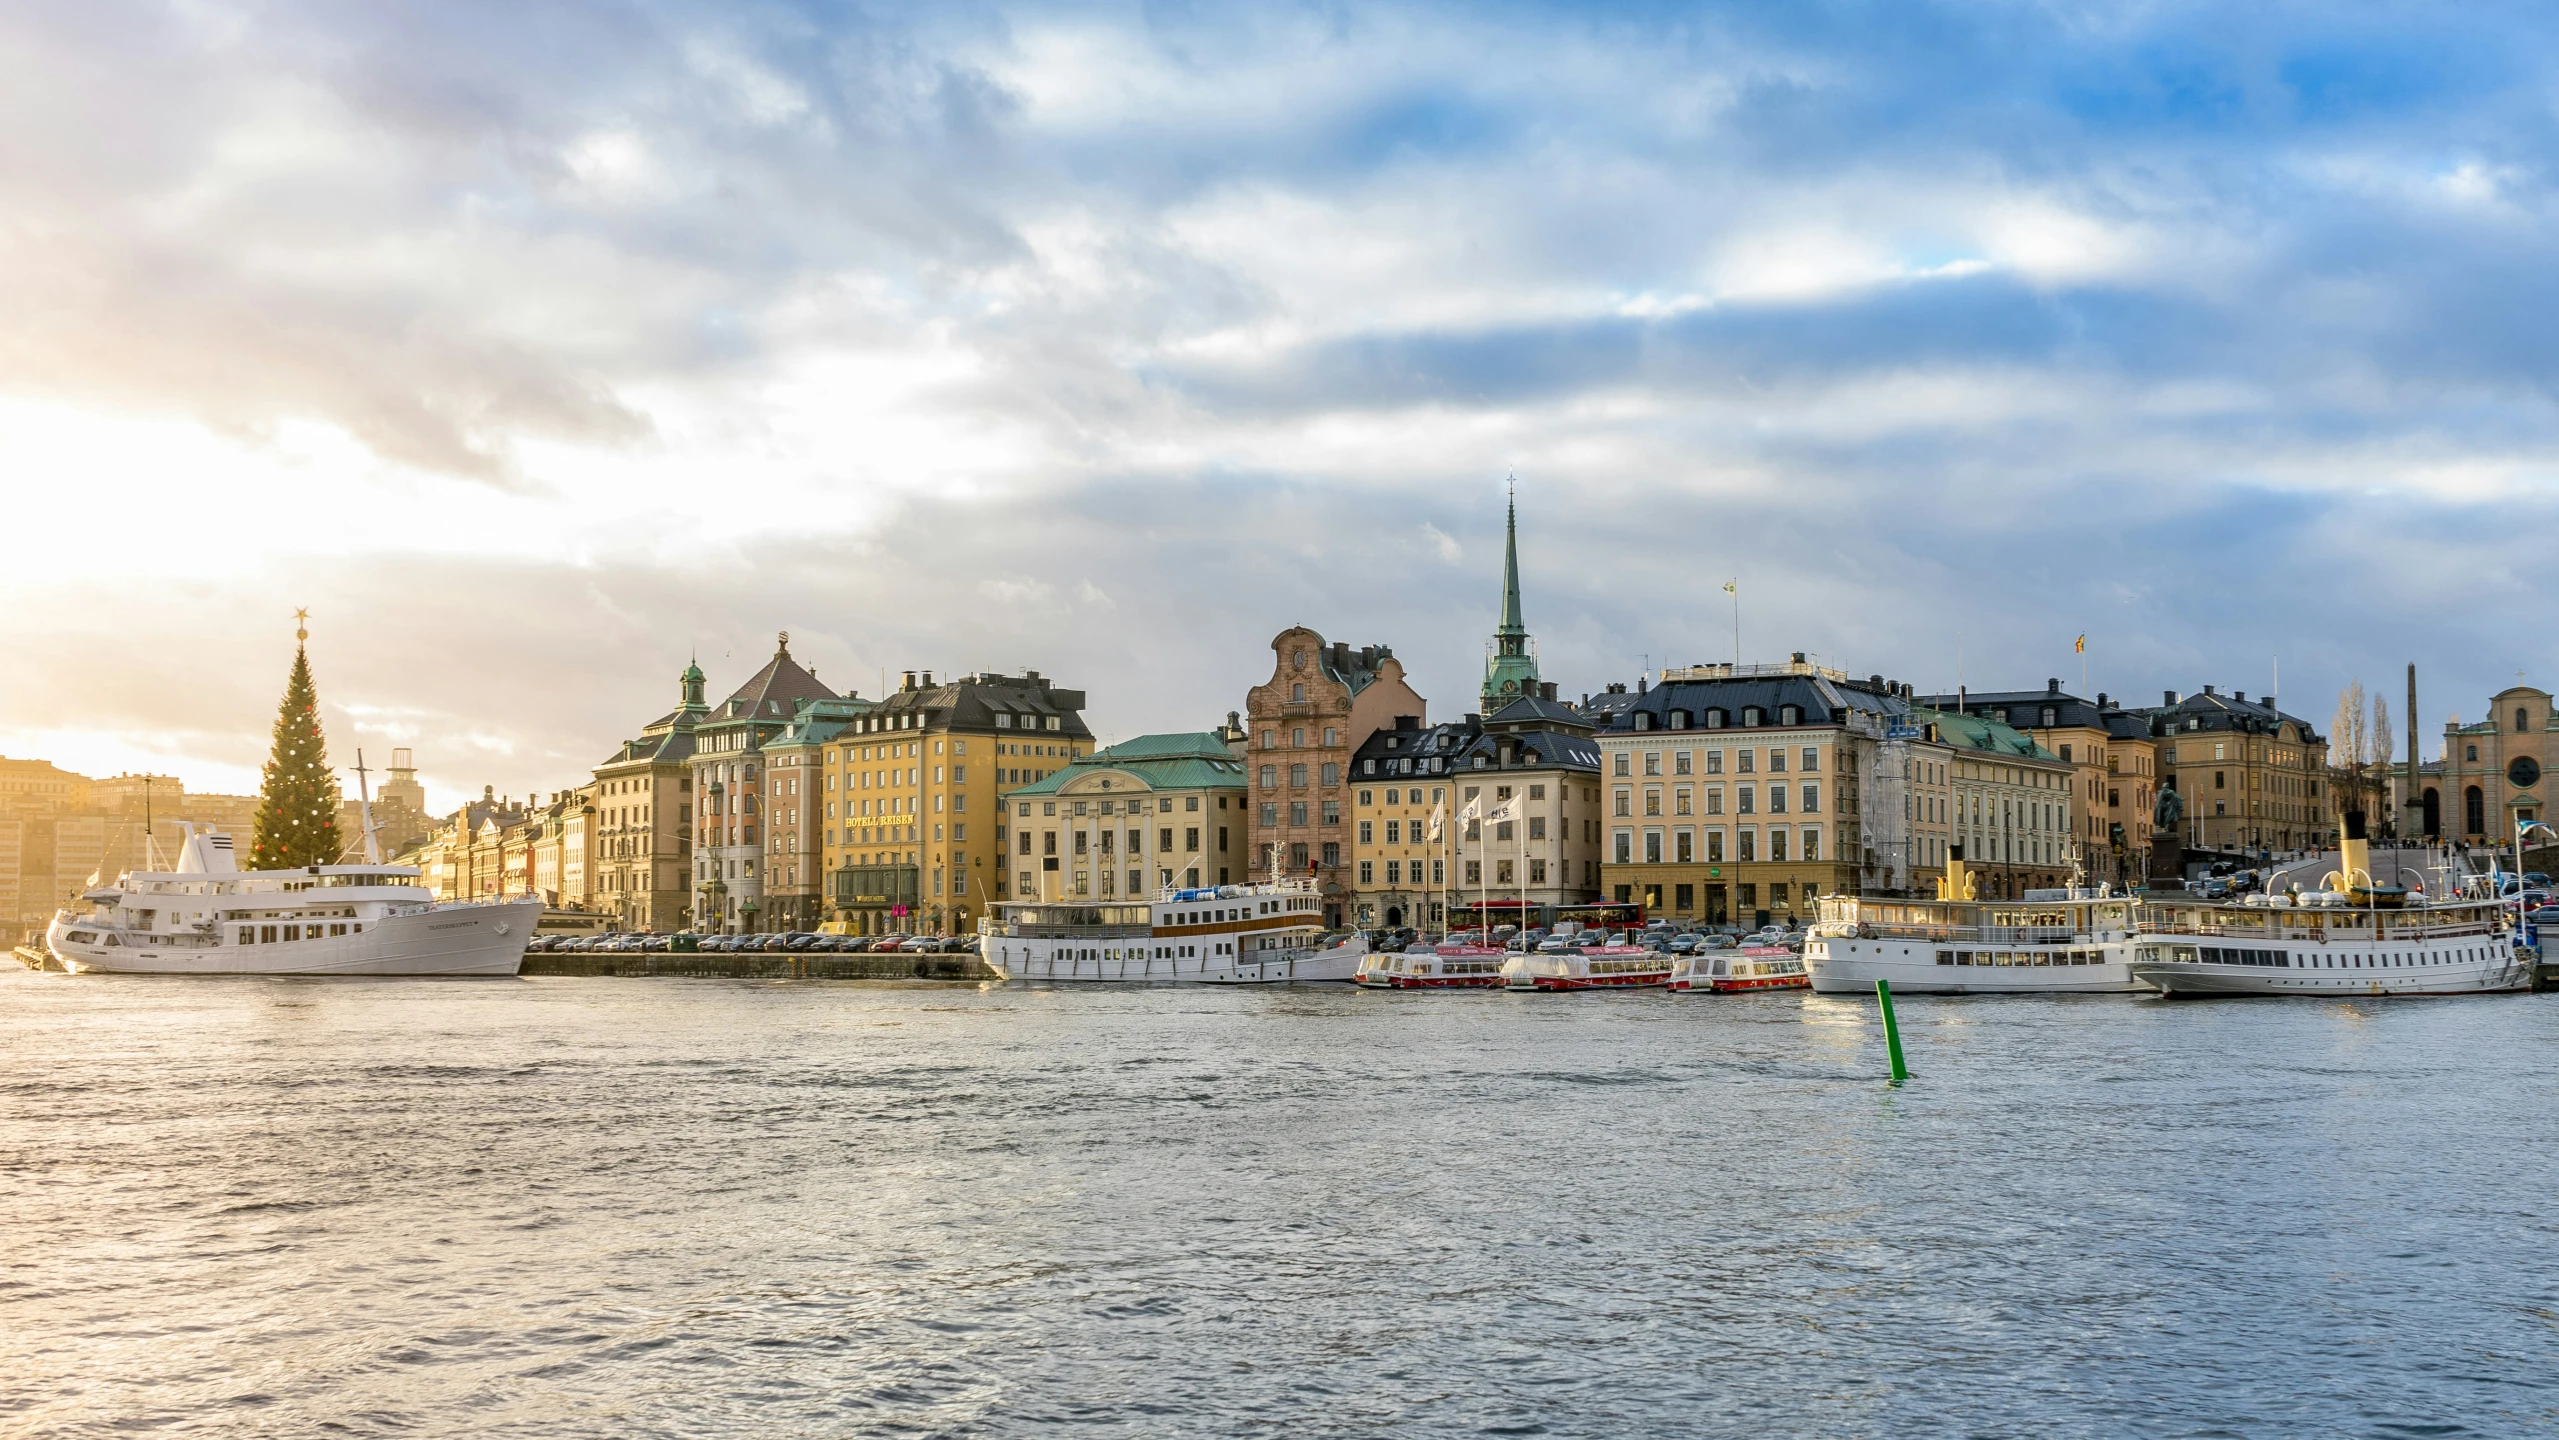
(1605,967)
(209,917)
(2052,942)
(1725,972)
(1444,967)
(2355,937)
(1224,935)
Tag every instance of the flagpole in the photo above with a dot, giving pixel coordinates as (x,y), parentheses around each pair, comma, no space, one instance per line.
(1733,587)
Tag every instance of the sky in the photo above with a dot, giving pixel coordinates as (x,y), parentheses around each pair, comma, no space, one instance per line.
(538,349)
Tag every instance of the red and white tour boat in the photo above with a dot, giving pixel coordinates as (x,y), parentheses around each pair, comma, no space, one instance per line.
(1445,967)
(1771,967)
(1606,967)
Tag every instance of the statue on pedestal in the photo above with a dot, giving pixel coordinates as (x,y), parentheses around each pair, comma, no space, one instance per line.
(2167,847)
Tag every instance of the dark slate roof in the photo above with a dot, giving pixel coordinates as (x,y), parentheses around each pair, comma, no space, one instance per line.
(972,702)
(2206,711)
(1539,712)
(1534,749)
(2023,709)
(1355,668)
(1417,750)
(1825,701)
(772,693)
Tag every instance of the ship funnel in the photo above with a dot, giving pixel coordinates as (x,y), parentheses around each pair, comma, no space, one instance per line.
(1958,882)
(2354,875)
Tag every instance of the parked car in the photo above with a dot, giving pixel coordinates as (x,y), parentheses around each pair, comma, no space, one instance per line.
(1684,943)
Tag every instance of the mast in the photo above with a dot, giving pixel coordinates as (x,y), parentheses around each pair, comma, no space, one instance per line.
(364,801)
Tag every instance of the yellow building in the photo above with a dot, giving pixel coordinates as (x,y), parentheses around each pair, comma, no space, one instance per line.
(2252,778)
(2112,763)
(2011,801)
(914,833)
(1401,776)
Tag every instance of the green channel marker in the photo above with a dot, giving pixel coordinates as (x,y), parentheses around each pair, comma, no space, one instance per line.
(1892,1028)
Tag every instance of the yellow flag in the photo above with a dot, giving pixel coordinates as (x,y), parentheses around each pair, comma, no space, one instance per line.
(2082,647)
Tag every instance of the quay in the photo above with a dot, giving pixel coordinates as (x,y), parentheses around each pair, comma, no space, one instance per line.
(756,965)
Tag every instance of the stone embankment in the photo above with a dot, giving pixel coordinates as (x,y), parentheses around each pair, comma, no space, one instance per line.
(758,965)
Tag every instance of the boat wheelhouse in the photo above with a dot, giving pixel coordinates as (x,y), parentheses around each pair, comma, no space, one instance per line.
(2074,941)
(209,917)
(1227,934)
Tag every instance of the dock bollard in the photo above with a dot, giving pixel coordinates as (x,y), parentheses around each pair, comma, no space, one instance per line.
(1892,1028)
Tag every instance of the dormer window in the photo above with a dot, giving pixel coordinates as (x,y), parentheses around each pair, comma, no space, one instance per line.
(1678,719)
(2052,717)
(1643,720)
(1753,715)
(1790,714)
(1715,718)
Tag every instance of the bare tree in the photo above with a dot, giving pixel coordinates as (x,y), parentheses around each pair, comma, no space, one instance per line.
(2348,748)
(2382,749)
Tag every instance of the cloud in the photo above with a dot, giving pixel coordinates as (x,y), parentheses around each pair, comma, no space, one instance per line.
(597,333)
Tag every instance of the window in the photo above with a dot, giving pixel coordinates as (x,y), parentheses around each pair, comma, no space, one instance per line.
(1367,872)
(1297,693)
(1714,719)
(1653,802)
(1680,804)
(1439,871)
(1749,845)
(1270,777)
(1812,799)
(1684,847)
(1812,843)
(1652,847)
(1332,852)
(2469,752)
(1395,871)
(1812,761)
(1625,803)
(1790,714)
(1270,813)
(1474,872)
(2217,777)
(1652,762)
(1297,812)
(1296,777)
(1330,735)
(1679,762)
(1332,812)
(1776,844)
(1746,800)
(1536,827)
(1714,762)
(1369,797)
(2519,718)
(1625,765)
(1776,759)
(1714,847)
(1332,773)
(1745,761)
(1536,872)
(1625,841)
(1367,832)
(1190,839)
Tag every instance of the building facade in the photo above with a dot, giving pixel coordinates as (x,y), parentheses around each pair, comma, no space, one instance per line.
(1320,705)
(1403,826)
(2492,772)
(644,818)
(2011,800)
(731,833)
(1532,779)
(1154,813)
(917,829)
(2251,777)
(2112,764)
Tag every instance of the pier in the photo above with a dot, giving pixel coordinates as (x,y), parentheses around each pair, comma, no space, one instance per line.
(756,965)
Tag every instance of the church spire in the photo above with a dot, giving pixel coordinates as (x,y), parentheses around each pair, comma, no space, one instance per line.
(1511,670)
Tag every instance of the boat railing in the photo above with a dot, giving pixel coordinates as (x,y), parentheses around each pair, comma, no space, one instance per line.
(1067,932)
(1966,934)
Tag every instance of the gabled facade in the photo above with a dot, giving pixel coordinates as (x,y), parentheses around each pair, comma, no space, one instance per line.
(731,834)
(643,796)
(1320,705)
(1400,778)
(2495,773)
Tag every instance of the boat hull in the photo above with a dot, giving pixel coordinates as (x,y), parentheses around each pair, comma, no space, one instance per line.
(2190,980)
(1851,968)
(482,940)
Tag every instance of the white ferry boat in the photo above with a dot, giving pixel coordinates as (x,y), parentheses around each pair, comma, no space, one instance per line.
(1605,967)
(2354,938)
(209,917)
(1725,972)
(1445,967)
(1225,935)
(2052,942)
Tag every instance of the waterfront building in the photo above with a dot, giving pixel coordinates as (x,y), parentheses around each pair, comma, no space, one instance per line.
(1320,705)
(2492,772)
(1735,793)
(916,789)
(2112,762)
(2251,776)
(644,818)
(798,812)
(1154,813)
(2011,800)
(59,828)
(729,800)
(1400,784)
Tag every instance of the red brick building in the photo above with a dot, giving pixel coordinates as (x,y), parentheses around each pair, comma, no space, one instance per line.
(1320,703)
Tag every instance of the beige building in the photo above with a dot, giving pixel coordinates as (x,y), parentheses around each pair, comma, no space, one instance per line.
(2112,762)
(2012,804)
(915,830)
(1319,707)
(1150,814)
(795,894)
(2493,772)
(2250,776)
(1536,761)
(644,818)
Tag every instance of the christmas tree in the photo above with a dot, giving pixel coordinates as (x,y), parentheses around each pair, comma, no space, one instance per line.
(298,804)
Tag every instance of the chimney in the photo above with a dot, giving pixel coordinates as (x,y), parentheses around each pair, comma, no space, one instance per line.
(2208,689)
(2167,697)
(1642,682)
(910,681)
(2239,695)
(2101,699)
(2052,687)
(928,679)
(1799,657)
(1547,690)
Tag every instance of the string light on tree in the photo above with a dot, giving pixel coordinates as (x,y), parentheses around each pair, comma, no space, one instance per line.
(297,822)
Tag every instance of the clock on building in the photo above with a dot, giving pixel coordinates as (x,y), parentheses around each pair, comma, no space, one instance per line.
(2524,772)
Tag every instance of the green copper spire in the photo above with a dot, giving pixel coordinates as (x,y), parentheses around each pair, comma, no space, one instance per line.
(1511,670)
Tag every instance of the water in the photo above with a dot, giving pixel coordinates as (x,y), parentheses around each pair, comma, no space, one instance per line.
(631,1208)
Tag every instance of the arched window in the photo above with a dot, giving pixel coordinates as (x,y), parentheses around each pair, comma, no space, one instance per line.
(2434,812)
(2474,811)
(2519,719)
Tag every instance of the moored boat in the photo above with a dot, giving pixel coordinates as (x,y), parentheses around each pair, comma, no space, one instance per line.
(1605,967)
(2051,942)
(2354,938)
(209,917)
(1771,967)
(1443,967)
(1221,935)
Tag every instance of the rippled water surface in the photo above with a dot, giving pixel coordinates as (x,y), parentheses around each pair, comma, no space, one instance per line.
(630,1207)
